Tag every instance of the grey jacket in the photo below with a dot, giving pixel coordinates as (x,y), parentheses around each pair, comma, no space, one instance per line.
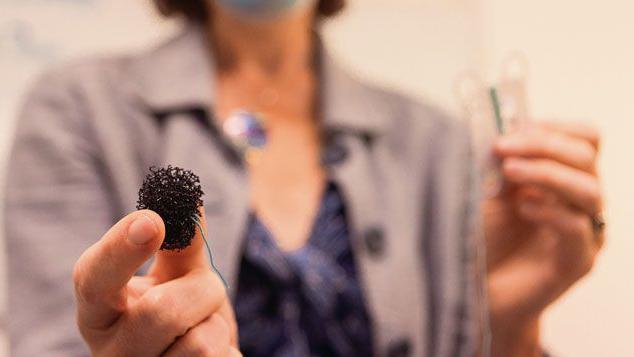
(89,131)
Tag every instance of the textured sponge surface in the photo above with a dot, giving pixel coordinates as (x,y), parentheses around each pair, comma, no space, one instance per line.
(175,194)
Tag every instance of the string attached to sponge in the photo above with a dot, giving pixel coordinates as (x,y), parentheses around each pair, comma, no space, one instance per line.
(175,195)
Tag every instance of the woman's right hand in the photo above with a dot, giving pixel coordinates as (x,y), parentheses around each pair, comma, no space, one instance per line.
(179,309)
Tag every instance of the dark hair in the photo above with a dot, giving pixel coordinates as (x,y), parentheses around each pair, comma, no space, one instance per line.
(195,9)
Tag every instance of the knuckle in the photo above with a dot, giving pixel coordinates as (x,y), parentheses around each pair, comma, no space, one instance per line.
(85,332)
(573,271)
(594,134)
(587,158)
(222,325)
(587,265)
(78,275)
(201,342)
(205,275)
(582,224)
(216,284)
(543,171)
(596,197)
(579,225)
(590,153)
(549,144)
(84,292)
(584,265)
(197,344)
(157,309)
(212,285)
(525,140)
(584,261)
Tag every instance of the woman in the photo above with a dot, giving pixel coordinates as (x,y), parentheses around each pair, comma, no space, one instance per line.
(348,234)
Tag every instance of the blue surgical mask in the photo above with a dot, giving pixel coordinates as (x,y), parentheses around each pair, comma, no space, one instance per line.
(263,9)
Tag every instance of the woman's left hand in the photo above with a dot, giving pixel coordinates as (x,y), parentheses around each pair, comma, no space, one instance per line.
(541,236)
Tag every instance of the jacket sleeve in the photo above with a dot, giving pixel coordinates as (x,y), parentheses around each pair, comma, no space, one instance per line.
(56,205)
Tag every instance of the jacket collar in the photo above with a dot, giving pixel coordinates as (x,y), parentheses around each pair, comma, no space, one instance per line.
(178,75)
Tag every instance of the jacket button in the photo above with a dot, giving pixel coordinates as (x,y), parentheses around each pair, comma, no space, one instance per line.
(375,241)
(334,153)
(399,348)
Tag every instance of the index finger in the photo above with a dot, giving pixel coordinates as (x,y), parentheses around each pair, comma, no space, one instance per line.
(549,144)
(578,130)
(171,264)
(102,272)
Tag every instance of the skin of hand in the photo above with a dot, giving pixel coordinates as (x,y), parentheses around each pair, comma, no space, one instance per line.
(180,308)
(540,238)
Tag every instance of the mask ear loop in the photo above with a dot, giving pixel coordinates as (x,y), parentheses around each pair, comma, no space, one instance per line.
(211,257)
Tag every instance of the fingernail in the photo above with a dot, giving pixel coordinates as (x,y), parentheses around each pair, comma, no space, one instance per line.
(142,230)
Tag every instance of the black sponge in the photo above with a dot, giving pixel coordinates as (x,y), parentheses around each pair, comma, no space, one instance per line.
(174,194)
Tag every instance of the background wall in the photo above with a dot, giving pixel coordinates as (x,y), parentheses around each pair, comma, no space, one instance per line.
(580,57)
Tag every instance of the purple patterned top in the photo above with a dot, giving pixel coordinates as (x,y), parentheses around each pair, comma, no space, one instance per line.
(307,302)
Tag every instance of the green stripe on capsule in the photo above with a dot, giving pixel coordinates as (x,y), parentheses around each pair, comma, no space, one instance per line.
(495,101)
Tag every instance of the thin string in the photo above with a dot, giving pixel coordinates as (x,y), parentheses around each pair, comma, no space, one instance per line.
(211,257)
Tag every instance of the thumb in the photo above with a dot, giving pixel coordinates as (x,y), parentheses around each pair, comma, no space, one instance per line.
(170,265)
(102,272)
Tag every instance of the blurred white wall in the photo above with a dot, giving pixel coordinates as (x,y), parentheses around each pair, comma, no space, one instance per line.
(580,68)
